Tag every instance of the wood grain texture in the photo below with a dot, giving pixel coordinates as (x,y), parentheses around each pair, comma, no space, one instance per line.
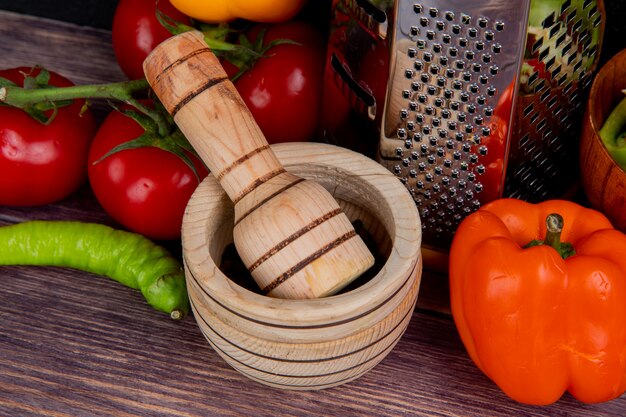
(73,344)
(294,238)
(603,180)
(320,343)
(78,345)
(80,53)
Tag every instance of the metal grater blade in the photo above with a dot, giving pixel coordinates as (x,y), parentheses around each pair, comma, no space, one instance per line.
(454,69)
(465,101)
(561,56)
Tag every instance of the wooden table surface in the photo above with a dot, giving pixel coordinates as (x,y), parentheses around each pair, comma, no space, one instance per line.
(76,344)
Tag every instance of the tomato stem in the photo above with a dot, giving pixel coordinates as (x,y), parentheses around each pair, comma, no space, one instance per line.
(22,98)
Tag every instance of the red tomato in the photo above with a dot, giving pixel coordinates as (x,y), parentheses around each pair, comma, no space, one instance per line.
(41,164)
(136,32)
(284,89)
(144,189)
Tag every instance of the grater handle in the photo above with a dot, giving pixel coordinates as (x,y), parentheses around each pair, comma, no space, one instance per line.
(194,88)
(290,233)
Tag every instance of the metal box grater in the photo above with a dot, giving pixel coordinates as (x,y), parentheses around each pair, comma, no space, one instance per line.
(465,101)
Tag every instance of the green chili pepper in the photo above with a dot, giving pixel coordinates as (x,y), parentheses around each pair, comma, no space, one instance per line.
(613,131)
(129,258)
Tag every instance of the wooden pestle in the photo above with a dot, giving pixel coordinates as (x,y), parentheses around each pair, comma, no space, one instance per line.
(289,232)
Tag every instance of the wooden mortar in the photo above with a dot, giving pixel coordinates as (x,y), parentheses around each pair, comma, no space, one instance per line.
(290,233)
(317,343)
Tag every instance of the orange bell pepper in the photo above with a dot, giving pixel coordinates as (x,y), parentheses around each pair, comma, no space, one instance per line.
(217,11)
(535,323)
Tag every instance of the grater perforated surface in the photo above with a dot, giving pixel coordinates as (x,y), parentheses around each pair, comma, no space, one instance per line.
(483,99)
(561,55)
(450,70)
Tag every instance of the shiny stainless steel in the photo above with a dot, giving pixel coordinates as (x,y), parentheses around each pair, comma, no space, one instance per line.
(480,103)
(450,64)
(543,150)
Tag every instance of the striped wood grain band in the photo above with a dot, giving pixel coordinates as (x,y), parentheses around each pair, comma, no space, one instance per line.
(257,183)
(293,237)
(407,314)
(303,263)
(179,61)
(285,326)
(315,386)
(383,352)
(241,366)
(194,93)
(268,198)
(240,161)
(401,324)
(213,81)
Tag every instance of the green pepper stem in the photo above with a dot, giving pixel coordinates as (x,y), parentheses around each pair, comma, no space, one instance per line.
(177,314)
(554,228)
(554,224)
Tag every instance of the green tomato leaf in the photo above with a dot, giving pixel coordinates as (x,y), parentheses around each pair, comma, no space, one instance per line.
(173,26)
(39,111)
(7,83)
(220,31)
(43,78)
(41,117)
(30,83)
(172,147)
(146,122)
(248,53)
(175,143)
(181,141)
(145,140)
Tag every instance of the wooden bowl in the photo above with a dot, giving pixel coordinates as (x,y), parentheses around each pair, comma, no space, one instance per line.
(603,180)
(315,343)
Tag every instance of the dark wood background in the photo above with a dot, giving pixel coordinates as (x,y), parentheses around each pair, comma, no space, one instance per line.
(99,14)
(96,13)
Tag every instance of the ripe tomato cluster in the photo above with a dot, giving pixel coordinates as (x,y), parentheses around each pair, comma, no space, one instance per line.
(146,188)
